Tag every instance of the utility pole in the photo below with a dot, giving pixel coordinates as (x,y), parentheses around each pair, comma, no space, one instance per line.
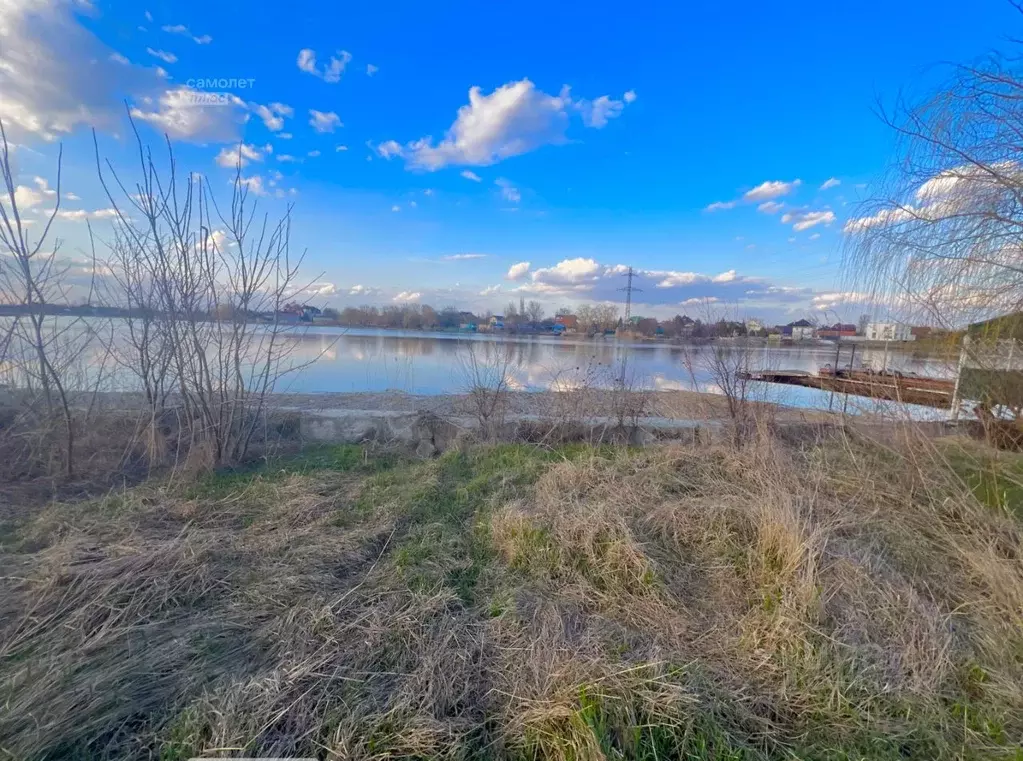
(629,290)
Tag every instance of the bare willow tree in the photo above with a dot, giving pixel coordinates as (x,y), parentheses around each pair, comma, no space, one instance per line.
(944,238)
(205,286)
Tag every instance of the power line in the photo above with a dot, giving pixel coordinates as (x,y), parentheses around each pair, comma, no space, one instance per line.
(629,290)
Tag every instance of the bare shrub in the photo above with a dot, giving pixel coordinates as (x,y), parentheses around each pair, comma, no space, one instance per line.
(207,285)
(483,369)
(40,351)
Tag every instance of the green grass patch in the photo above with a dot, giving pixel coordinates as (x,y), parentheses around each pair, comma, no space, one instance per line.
(995,477)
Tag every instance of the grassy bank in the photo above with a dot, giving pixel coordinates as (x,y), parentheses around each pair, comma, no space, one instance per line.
(844,600)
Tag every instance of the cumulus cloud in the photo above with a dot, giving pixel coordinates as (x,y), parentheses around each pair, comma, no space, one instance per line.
(331,72)
(181,114)
(765,191)
(241,155)
(804,220)
(389,149)
(362,290)
(771,207)
(568,271)
(55,75)
(490,290)
(831,182)
(629,96)
(324,121)
(408,296)
(340,148)
(597,113)
(517,271)
(254,185)
(720,206)
(515,118)
(470,175)
(371,69)
(273,115)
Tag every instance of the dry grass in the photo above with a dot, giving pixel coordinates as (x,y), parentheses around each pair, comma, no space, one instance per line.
(844,600)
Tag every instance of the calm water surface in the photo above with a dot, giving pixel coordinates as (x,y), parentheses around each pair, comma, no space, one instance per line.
(429,363)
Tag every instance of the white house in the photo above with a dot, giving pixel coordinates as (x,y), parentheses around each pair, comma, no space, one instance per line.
(888,331)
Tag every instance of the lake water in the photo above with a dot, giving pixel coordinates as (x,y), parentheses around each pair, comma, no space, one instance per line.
(433,363)
(413,362)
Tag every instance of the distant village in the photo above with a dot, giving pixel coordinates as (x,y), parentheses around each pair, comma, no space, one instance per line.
(601,319)
(531,318)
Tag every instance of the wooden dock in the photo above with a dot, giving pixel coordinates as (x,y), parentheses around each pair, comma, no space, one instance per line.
(893,387)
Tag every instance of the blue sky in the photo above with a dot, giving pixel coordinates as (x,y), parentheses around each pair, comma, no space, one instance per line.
(431,151)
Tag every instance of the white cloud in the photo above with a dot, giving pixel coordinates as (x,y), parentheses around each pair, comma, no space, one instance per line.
(331,72)
(515,118)
(324,121)
(517,271)
(80,215)
(460,257)
(509,192)
(56,75)
(720,206)
(830,183)
(596,113)
(163,55)
(815,236)
(340,148)
(313,154)
(204,39)
(630,96)
(241,154)
(765,191)
(181,115)
(724,277)
(149,16)
(770,207)
(26,198)
(371,69)
(408,296)
(273,115)
(362,290)
(320,289)
(254,184)
(396,208)
(699,301)
(490,290)
(284,135)
(882,217)
(469,175)
(389,149)
(568,271)
(287,158)
(804,220)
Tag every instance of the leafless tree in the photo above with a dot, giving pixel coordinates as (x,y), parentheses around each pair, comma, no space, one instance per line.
(207,284)
(944,238)
(40,350)
(535,311)
(484,367)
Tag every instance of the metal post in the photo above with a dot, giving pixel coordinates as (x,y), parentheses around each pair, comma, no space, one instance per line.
(834,370)
(959,372)
(852,357)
